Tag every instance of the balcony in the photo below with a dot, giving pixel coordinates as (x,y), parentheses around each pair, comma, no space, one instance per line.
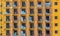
(48,4)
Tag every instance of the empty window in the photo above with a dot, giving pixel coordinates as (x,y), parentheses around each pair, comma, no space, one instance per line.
(31,11)
(7,4)
(47,10)
(56,10)
(56,17)
(39,11)
(23,25)
(31,32)
(15,4)
(56,31)
(15,11)
(23,11)
(23,33)
(23,18)
(47,25)
(31,25)
(39,18)
(56,24)
(23,4)
(31,3)
(15,25)
(7,18)
(31,18)
(39,32)
(7,32)
(7,11)
(56,3)
(39,25)
(7,25)
(15,33)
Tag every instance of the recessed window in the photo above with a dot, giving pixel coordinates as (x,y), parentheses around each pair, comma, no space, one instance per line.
(39,32)
(31,25)
(47,11)
(7,25)
(47,18)
(39,11)
(31,32)
(56,3)
(23,32)
(15,3)
(39,25)
(47,25)
(23,4)
(39,4)
(56,10)
(23,11)
(23,18)
(31,3)
(7,11)
(7,18)
(47,32)
(7,32)
(56,24)
(39,18)
(15,25)
(47,4)
(15,18)
(23,26)
(56,17)
(56,31)
(7,4)
(31,11)
(15,33)
(31,18)
(15,11)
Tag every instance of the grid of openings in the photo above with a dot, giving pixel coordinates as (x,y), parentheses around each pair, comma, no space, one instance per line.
(23,17)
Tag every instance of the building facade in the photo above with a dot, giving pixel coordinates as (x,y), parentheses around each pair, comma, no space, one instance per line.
(29,17)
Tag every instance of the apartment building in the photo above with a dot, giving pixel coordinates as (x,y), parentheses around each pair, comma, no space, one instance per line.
(29,17)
